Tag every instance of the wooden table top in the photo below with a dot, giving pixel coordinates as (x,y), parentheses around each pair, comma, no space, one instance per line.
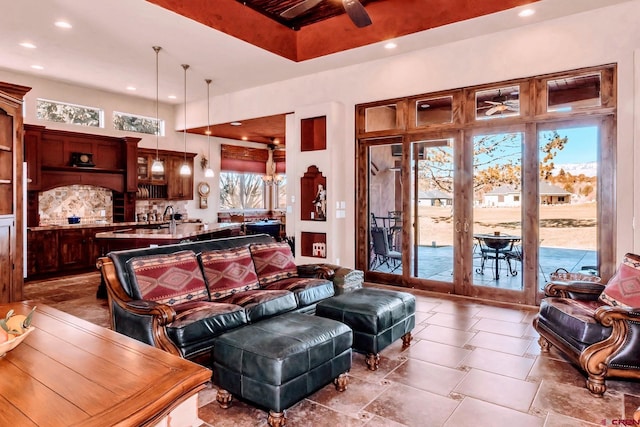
(71,372)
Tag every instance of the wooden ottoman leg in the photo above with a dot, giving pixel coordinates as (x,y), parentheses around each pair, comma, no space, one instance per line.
(373,361)
(224,398)
(545,345)
(277,419)
(406,340)
(341,382)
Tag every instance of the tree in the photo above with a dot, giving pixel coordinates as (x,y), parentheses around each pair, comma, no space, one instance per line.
(241,191)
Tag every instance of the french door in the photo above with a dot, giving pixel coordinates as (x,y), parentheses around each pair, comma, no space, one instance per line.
(489,213)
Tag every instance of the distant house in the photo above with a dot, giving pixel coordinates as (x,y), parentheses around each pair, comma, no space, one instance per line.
(508,195)
(434,198)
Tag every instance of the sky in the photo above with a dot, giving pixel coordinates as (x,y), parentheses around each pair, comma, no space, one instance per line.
(582,146)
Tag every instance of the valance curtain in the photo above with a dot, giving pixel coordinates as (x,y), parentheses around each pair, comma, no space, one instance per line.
(235,158)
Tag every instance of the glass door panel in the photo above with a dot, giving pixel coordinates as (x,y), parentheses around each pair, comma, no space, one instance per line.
(497,210)
(432,195)
(568,200)
(385,208)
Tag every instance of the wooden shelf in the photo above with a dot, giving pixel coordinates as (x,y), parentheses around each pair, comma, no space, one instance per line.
(83,169)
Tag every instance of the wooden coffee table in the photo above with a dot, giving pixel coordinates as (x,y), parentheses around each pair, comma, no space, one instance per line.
(71,372)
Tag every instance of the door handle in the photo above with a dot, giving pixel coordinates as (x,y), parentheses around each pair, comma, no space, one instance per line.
(457,227)
(466,226)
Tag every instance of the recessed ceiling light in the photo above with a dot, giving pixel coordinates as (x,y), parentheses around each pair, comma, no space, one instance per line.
(526,12)
(390,45)
(244,138)
(63,24)
(37,67)
(172,97)
(131,88)
(236,123)
(28,45)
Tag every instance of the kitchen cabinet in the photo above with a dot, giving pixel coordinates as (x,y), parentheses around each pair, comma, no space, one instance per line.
(11,191)
(167,186)
(179,187)
(59,251)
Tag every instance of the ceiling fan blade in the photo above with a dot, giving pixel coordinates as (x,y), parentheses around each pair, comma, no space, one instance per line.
(357,13)
(299,9)
(492,110)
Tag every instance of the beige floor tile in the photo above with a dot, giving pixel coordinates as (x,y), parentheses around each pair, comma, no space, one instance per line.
(499,363)
(576,402)
(462,323)
(445,335)
(556,420)
(476,413)
(506,344)
(412,407)
(427,376)
(499,313)
(440,354)
(501,327)
(504,391)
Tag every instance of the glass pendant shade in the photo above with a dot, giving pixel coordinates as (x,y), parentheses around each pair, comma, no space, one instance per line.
(208,173)
(185,170)
(157,166)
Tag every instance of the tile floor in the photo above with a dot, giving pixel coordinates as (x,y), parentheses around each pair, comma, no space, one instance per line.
(470,363)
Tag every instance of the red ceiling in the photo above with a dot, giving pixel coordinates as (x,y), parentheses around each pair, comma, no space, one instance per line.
(391,18)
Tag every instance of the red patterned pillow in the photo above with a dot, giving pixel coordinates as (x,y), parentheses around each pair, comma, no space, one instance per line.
(623,289)
(228,271)
(273,261)
(169,278)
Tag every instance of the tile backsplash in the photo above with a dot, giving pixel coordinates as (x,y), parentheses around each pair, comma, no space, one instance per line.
(91,204)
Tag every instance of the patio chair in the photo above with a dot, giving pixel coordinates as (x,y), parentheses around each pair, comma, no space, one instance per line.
(383,255)
(597,327)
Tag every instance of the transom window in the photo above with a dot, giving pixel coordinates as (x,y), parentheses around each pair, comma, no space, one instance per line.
(64,112)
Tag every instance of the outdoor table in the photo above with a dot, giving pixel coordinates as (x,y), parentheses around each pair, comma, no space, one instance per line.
(498,243)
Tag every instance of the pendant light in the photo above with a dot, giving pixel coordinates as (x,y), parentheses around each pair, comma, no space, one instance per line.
(185,169)
(208,173)
(157,166)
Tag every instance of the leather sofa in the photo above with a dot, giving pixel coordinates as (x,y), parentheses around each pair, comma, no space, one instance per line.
(180,297)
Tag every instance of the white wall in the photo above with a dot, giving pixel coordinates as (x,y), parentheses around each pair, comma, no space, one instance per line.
(607,35)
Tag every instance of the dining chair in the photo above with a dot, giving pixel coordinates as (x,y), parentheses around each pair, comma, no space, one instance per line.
(495,253)
(383,255)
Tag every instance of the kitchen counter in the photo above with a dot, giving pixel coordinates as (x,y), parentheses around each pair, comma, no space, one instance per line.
(161,231)
(106,224)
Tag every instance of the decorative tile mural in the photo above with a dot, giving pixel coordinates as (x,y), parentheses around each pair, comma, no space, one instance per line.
(91,204)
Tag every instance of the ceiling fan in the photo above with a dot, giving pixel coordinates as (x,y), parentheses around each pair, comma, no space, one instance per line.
(500,104)
(354,9)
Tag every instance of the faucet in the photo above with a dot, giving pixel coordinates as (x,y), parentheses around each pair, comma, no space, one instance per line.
(172,219)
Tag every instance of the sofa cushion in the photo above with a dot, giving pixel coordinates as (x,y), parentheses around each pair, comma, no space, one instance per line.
(228,271)
(169,278)
(307,291)
(197,324)
(623,289)
(574,320)
(273,262)
(260,304)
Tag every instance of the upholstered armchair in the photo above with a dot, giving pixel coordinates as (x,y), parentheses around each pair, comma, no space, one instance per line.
(596,326)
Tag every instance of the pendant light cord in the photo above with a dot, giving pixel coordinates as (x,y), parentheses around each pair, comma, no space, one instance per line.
(184,132)
(157,50)
(208,120)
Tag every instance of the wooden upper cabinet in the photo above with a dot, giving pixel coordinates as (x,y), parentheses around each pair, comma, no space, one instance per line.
(179,187)
(11,189)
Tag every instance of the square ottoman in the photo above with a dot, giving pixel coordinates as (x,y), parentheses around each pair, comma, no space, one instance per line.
(378,317)
(276,362)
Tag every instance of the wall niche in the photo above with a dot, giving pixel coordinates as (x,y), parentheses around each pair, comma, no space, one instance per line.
(313,195)
(313,244)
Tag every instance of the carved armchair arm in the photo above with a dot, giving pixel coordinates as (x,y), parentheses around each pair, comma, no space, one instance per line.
(574,290)
(608,315)
(139,319)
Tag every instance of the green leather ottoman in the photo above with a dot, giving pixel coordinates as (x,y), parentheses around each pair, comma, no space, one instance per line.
(276,362)
(378,317)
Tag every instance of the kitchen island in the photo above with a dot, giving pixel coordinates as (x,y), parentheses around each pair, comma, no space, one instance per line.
(160,234)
